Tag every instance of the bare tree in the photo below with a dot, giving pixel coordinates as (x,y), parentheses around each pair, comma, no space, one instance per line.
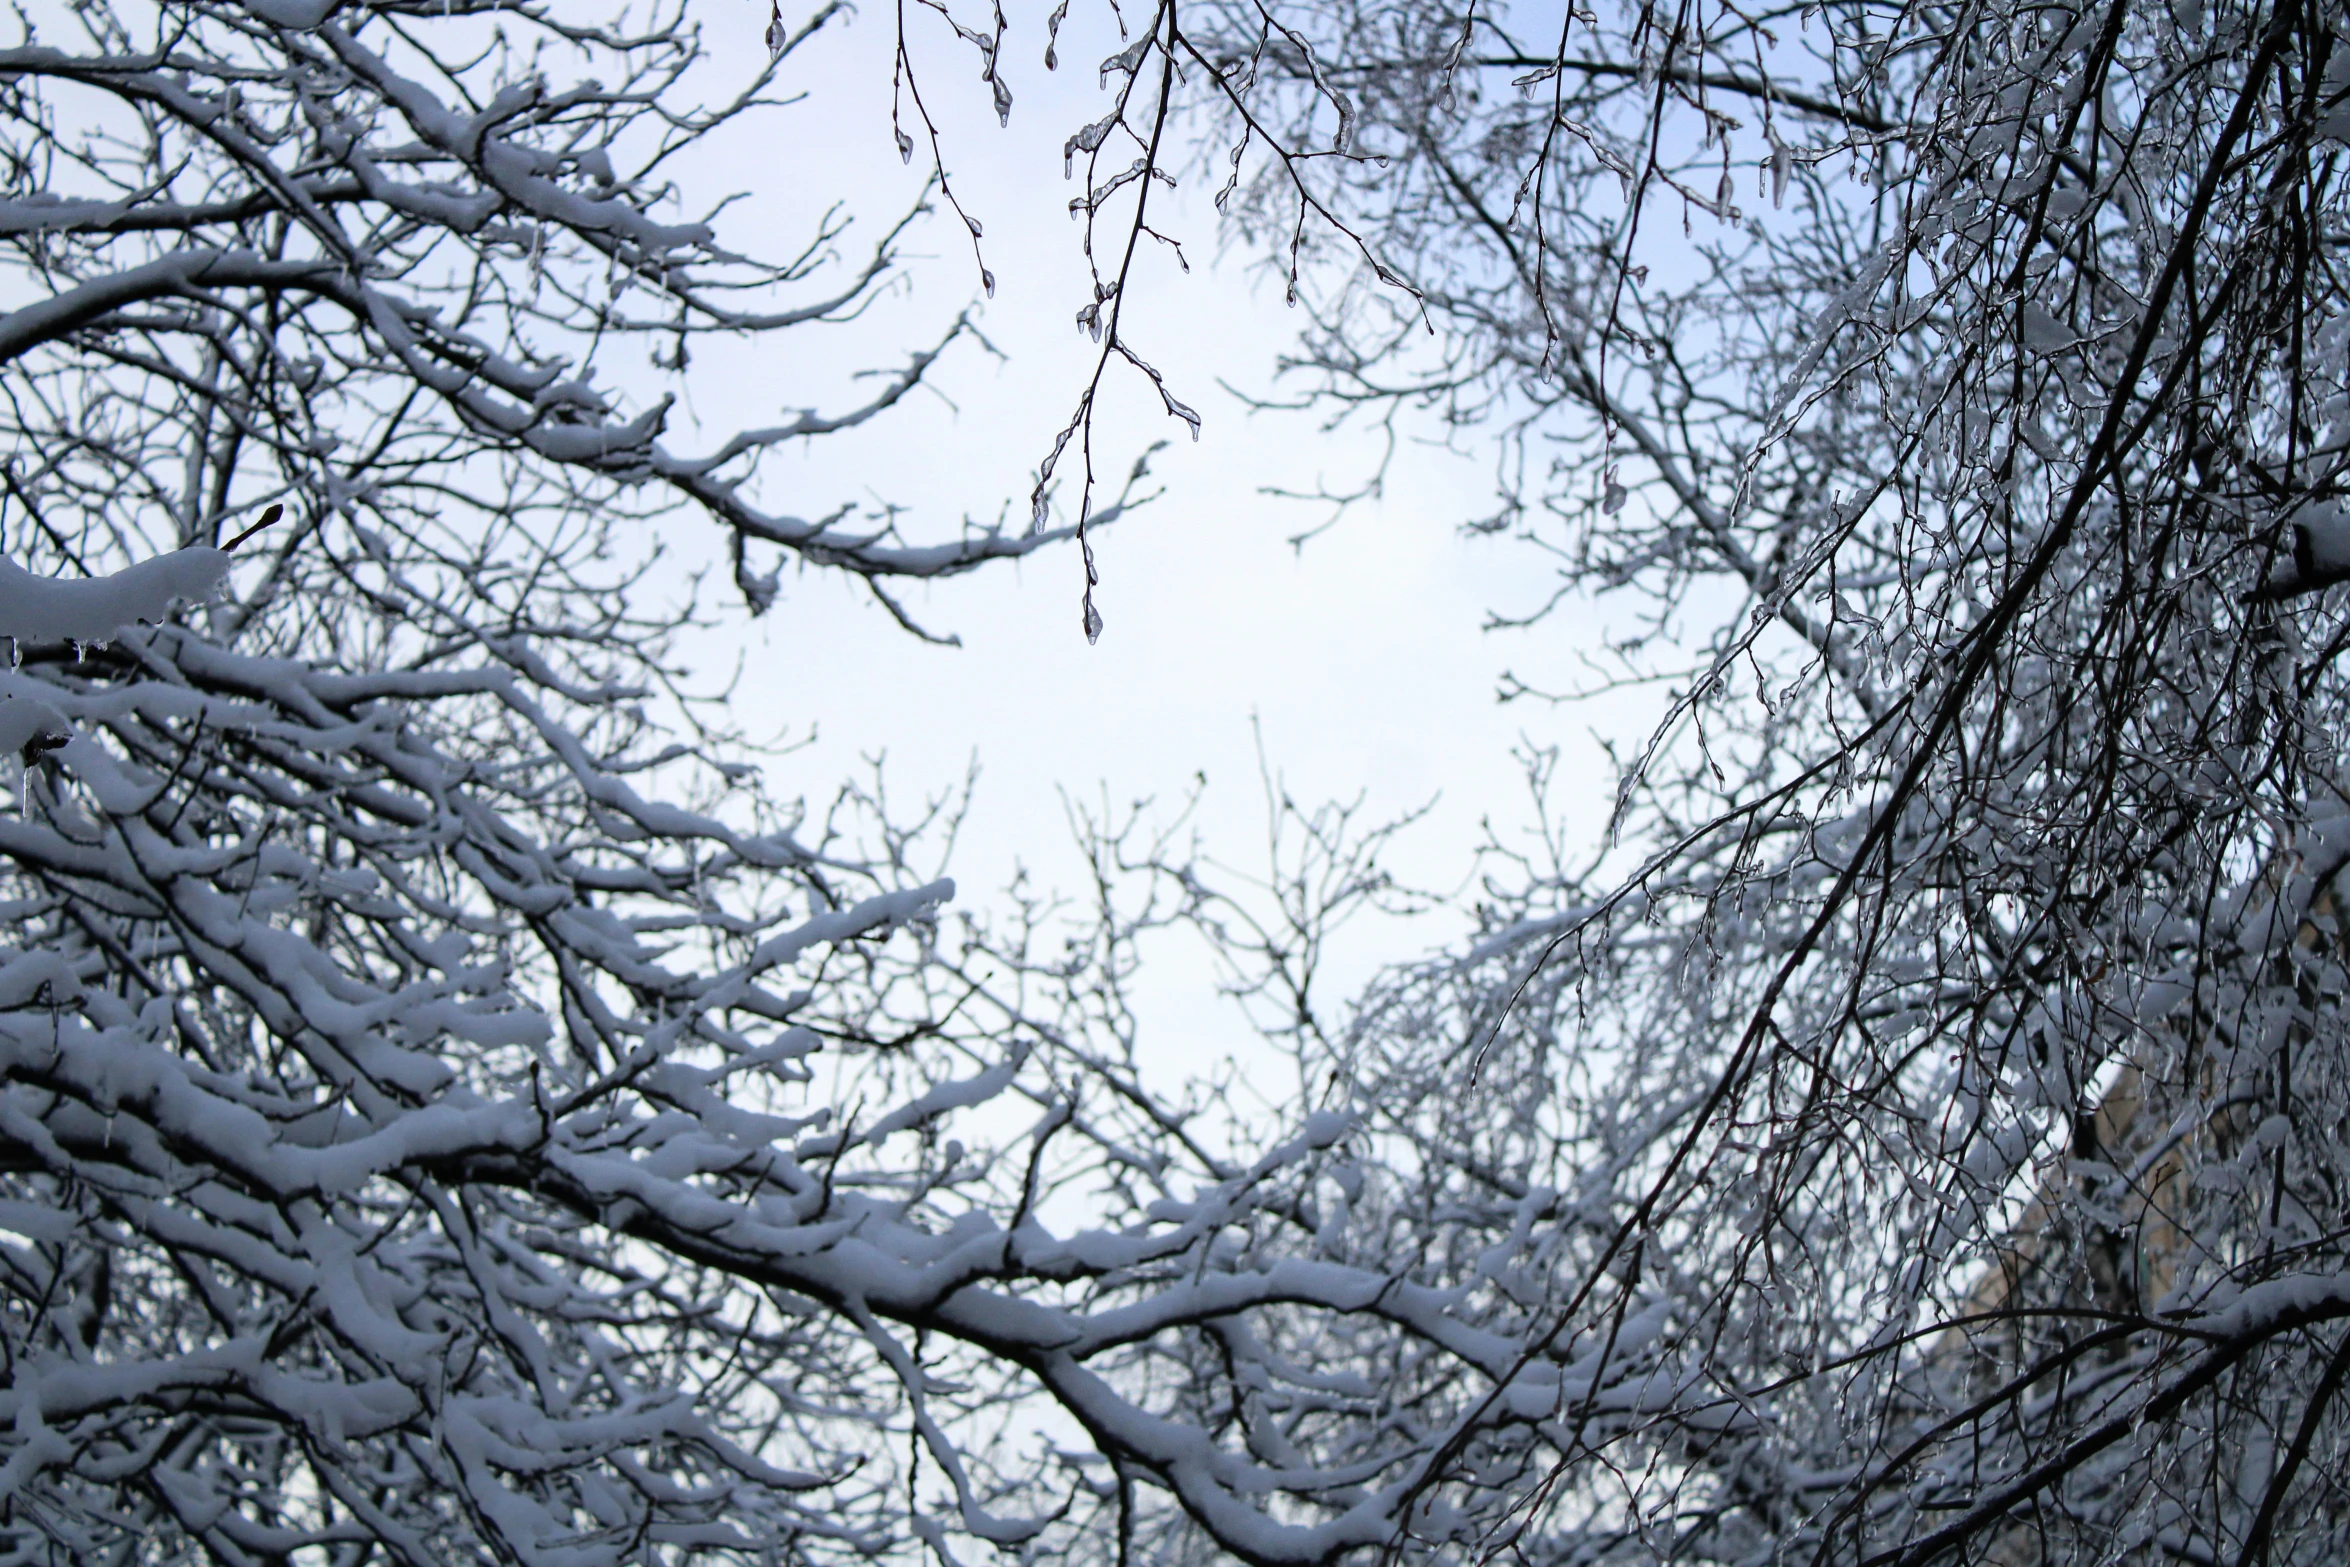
(1938,1087)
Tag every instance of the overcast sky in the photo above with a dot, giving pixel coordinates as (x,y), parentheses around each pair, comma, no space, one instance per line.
(1362,657)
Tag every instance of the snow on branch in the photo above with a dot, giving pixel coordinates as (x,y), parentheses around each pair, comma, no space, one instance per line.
(1945,417)
(453,1104)
(93,609)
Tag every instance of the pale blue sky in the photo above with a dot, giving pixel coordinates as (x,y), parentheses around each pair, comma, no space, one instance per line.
(1363,657)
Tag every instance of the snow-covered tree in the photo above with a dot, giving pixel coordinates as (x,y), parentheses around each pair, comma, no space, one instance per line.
(1939,1082)
(452,1107)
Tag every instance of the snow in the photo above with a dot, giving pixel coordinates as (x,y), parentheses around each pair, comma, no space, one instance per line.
(957,1094)
(299,16)
(2326,529)
(2043,333)
(95,609)
(498,1119)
